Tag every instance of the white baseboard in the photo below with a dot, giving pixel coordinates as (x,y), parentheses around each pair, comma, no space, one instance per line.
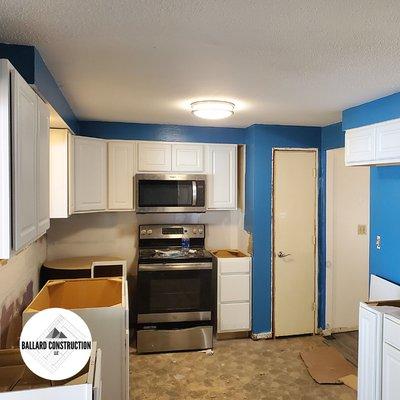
(261,335)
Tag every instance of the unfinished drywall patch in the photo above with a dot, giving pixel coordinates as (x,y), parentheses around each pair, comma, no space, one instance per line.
(19,278)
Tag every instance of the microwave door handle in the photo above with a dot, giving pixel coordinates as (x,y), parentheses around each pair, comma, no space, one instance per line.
(194,198)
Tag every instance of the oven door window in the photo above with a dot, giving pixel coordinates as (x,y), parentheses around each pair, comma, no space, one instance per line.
(174,291)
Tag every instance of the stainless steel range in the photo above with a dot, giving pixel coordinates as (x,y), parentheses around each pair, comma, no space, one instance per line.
(175,289)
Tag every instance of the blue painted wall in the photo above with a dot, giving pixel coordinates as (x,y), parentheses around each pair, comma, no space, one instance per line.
(332,137)
(385,191)
(372,112)
(261,140)
(385,221)
(169,133)
(29,63)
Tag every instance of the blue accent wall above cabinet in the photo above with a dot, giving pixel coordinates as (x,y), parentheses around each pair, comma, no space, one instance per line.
(29,63)
(168,133)
(372,112)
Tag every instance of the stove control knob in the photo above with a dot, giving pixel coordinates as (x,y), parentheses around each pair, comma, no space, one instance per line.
(143,232)
(194,230)
(200,230)
(149,231)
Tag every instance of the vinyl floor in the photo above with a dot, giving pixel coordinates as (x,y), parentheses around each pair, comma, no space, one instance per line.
(238,370)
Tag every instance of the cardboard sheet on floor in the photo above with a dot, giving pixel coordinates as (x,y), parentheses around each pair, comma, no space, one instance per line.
(350,381)
(326,365)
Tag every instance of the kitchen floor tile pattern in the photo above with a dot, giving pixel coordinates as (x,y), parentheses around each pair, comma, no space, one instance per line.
(239,370)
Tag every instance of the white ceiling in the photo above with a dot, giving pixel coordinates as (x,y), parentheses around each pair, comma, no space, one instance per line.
(286,61)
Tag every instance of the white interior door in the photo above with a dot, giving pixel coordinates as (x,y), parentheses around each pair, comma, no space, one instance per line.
(294,241)
(347,241)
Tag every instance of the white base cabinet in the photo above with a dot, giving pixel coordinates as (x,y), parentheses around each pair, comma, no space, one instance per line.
(369,353)
(391,358)
(379,351)
(233,291)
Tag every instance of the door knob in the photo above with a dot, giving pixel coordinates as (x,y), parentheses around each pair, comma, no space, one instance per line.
(282,255)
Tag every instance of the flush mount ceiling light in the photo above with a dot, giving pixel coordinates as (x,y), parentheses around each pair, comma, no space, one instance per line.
(212,109)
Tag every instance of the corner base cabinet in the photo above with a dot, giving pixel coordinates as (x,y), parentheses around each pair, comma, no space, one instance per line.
(233,291)
(379,351)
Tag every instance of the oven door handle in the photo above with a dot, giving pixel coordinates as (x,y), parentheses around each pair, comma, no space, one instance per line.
(194,198)
(174,267)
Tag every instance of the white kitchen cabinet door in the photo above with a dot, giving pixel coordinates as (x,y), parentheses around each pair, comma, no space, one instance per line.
(154,157)
(390,373)
(222,182)
(24,138)
(369,353)
(360,145)
(43,173)
(120,175)
(187,157)
(90,174)
(234,288)
(234,317)
(388,142)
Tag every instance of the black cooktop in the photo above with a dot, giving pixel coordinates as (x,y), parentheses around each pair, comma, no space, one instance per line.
(173,255)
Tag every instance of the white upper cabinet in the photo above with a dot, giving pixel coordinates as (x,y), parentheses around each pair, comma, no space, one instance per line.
(24,156)
(374,144)
(154,157)
(388,141)
(360,146)
(187,157)
(43,174)
(120,175)
(222,182)
(90,174)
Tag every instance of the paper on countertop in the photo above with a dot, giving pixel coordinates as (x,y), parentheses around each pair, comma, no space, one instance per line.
(391,310)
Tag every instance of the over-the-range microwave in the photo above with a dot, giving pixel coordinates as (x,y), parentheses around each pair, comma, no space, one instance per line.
(166,193)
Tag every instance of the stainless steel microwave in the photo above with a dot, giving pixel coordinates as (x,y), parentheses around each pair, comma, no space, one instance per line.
(166,193)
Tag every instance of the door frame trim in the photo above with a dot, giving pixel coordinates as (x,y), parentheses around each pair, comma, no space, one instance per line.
(329,242)
(316,253)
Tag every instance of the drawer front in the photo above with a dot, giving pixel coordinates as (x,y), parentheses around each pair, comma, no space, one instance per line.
(234,317)
(235,265)
(234,288)
(391,332)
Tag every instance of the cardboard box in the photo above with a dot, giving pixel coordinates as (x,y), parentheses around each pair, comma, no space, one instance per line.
(103,305)
(17,382)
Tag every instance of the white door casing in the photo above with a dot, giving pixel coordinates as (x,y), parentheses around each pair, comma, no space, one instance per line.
(347,241)
(294,241)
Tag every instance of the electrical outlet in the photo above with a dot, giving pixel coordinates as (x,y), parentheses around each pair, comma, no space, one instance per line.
(378,242)
(362,229)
